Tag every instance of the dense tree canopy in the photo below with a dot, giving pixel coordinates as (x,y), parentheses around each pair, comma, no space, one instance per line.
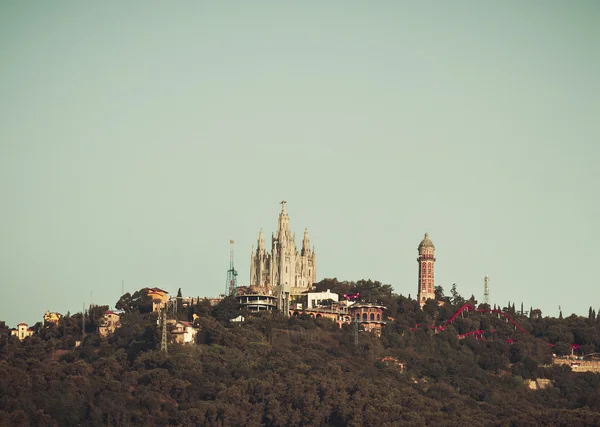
(274,370)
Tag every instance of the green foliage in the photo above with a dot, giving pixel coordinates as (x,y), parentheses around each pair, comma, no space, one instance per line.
(140,301)
(273,370)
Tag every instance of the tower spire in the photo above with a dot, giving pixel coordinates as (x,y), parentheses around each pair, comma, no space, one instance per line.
(231,273)
(305,242)
(426,262)
(261,241)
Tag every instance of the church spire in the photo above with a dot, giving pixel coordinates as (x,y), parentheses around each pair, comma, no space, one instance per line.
(305,242)
(283,232)
(261,241)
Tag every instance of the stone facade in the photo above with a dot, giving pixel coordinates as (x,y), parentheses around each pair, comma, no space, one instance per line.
(285,269)
(426,262)
(369,316)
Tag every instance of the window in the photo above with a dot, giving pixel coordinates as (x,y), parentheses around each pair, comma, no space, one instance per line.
(378,316)
(364,316)
(372,316)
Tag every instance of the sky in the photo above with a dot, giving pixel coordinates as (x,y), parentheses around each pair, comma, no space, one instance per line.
(137,138)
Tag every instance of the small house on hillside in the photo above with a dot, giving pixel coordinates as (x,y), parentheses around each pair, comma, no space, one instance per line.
(159,298)
(51,317)
(370,316)
(22,331)
(184,332)
(110,322)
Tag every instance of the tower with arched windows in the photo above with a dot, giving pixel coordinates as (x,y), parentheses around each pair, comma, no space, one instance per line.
(426,262)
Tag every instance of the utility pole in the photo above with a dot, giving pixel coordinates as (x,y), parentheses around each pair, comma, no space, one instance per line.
(82,322)
(356,331)
(486,290)
(163,341)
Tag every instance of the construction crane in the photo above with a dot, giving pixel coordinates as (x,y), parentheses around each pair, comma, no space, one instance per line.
(231,273)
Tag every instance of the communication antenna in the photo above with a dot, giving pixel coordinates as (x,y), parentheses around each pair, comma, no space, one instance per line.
(356,331)
(232,273)
(163,341)
(82,322)
(486,290)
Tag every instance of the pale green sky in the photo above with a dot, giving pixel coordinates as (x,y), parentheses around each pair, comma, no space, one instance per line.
(137,138)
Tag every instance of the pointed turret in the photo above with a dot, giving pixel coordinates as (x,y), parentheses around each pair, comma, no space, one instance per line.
(284,222)
(305,242)
(261,241)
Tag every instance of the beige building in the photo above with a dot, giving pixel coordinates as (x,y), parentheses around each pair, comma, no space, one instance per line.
(159,297)
(285,269)
(426,262)
(184,333)
(51,317)
(22,331)
(110,322)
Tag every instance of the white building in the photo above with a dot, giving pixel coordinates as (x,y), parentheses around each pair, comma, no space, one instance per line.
(316,298)
(22,331)
(184,332)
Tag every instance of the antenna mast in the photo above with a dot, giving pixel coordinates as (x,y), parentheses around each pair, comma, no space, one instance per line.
(232,273)
(82,322)
(486,290)
(163,321)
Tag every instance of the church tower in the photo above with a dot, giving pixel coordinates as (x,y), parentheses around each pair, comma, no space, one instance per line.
(426,261)
(286,270)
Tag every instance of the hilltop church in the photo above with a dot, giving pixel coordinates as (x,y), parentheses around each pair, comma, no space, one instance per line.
(285,269)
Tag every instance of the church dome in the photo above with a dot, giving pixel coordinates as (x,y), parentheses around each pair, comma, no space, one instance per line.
(426,243)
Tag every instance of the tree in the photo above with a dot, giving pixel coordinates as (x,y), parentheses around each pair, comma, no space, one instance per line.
(140,301)
(227,309)
(456,298)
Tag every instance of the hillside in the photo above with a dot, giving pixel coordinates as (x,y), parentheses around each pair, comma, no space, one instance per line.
(274,371)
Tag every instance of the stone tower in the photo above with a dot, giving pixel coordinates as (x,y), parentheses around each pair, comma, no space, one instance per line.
(286,270)
(426,262)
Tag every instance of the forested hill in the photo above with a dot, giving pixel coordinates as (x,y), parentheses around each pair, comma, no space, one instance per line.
(278,371)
